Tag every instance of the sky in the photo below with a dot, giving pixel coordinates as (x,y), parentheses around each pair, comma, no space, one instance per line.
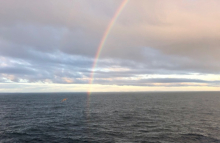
(51,46)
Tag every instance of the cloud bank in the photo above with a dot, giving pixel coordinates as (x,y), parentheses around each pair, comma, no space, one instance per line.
(153,43)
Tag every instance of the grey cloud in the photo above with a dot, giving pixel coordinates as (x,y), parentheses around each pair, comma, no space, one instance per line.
(161,81)
(17,70)
(53,40)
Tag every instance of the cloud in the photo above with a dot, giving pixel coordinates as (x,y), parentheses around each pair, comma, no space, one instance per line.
(158,82)
(56,42)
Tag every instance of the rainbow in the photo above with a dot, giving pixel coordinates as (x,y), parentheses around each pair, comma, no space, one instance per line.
(104,38)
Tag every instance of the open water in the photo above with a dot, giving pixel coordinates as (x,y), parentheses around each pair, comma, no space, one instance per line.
(160,117)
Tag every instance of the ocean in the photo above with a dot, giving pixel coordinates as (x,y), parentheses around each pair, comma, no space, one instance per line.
(154,117)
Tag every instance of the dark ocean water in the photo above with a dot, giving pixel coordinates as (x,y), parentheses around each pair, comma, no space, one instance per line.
(180,117)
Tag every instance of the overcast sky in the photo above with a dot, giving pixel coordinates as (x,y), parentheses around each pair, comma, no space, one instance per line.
(154,45)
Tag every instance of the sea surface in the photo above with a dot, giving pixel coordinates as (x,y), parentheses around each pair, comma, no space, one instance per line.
(157,117)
